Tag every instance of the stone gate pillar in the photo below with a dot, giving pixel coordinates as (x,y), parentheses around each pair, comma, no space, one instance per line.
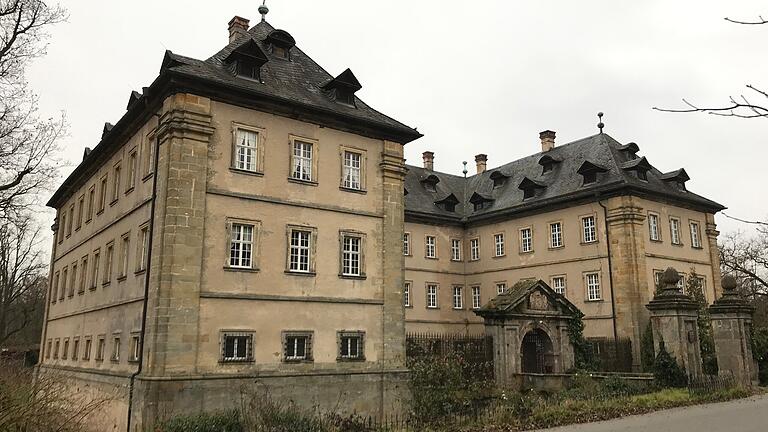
(674,318)
(731,328)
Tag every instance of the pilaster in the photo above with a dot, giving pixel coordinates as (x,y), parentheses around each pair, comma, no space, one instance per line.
(714,254)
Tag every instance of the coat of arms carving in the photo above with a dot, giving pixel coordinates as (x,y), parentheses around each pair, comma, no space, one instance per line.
(538,301)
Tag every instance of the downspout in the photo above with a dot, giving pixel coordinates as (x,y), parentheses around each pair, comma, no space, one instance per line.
(610,273)
(155,159)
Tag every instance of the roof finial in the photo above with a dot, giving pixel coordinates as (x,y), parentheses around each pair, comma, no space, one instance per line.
(600,125)
(263,10)
(465,168)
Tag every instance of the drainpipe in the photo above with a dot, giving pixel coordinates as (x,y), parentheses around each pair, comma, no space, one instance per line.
(143,331)
(610,274)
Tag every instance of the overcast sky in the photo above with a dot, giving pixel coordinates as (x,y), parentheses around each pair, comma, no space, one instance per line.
(473,77)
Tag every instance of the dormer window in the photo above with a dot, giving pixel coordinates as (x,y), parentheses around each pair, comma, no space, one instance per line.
(639,166)
(342,88)
(630,151)
(448,203)
(529,187)
(677,178)
(499,179)
(246,60)
(642,175)
(548,163)
(430,183)
(590,172)
(280,43)
(247,69)
(480,202)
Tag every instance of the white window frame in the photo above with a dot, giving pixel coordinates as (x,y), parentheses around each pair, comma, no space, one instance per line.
(302,241)
(247,337)
(357,335)
(474,249)
(246,148)
(526,240)
(455,250)
(458,297)
(407,294)
(592,286)
(653,227)
(293,336)
(556,235)
(501,287)
(476,300)
(498,245)
(116,346)
(135,347)
(242,238)
(303,158)
(407,244)
(674,231)
(352,254)
(589,229)
(431,290)
(695,229)
(143,248)
(430,247)
(125,247)
(556,287)
(352,171)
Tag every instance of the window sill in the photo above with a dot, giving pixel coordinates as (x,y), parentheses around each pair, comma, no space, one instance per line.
(525,252)
(92,288)
(113,202)
(455,260)
(87,221)
(554,248)
(589,243)
(594,301)
(147,176)
(458,308)
(353,277)
(244,361)
(678,244)
(432,308)
(132,361)
(431,258)
(81,292)
(408,306)
(129,190)
(499,256)
(302,182)
(350,360)
(107,283)
(353,190)
(140,271)
(241,269)
(656,240)
(298,273)
(122,278)
(98,213)
(77,229)
(298,361)
(246,172)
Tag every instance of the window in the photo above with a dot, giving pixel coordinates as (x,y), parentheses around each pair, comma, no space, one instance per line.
(116,183)
(95,269)
(83,274)
(236,347)
(407,294)
(590,177)
(73,279)
(351,255)
(135,348)
(474,249)
(431,296)
(125,245)
(297,346)
(455,250)
(56,349)
(132,167)
(674,230)
(241,246)
(301,165)
(642,175)
(80,211)
(430,250)
(558,284)
(701,282)
(555,235)
(48,350)
(589,229)
(62,224)
(100,346)
(75,348)
(65,349)
(498,241)
(55,287)
(526,240)
(246,147)
(300,250)
(407,244)
(87,348)
(143,248)
(476,297)
(458,297)
(63,287)
(352,170)
(110,255)
(695,235)
(501,287)
(351,345)
(149,157)
(115,349)
(653,226)
(91,202)
(103,194)
(657,275)
(71,219)
(593,286)
(681,286)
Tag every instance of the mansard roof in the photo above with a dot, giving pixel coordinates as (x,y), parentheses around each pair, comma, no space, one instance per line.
(558,189)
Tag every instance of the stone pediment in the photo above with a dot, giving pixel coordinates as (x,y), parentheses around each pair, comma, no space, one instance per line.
(529,297)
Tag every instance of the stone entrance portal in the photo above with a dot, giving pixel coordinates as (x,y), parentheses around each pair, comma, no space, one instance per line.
(529,326)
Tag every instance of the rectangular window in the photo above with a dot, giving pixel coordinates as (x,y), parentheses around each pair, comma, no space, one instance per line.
(236,347)
(526,240)
(87,348)
(501,287)
(455,250)
(431,296)
(407,244)
(681,284)
(241,246)
(674,231)
(149,157)
(593,286)
(300,251)
(64,280)
(246,147)
(95,269)
(103,193)
(109,257)
(558,284)
(132,167)
(430,251)
(56,349)
(135,348)
(55,287)
(75,348)
(115,349)
(65,349)
(91,203)
(62,224)
(80,211)
(653,226)
(589,229)
(555,235)
(476,304)
(657,275)
(351,252)
(297,346)
(48,349)
(458,297)
(302,161)
(125,247)
(71,219)
(116,183)
(474,249)
(83,274)
(73,279)
(498,241)
(407,294)
(695,235)
(352,170)
(100,347)
(143,248)
(351,345)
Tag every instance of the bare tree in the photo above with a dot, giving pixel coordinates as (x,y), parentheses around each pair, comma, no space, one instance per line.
(754,104)
(28,144)
(746,257)
(22,277)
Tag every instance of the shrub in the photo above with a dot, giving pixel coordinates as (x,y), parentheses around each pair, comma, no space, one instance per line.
(704,323)
(666,371)
(760,352)
(223,421)
(647,355)
(583,356)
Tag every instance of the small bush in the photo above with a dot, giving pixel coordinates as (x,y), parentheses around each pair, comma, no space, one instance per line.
(666,371)
(223,421)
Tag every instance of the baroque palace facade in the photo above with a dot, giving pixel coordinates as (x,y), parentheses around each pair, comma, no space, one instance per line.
(249,220)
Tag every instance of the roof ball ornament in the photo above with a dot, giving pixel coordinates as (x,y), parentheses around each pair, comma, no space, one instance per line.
(263,10)
(669,279)
(729,285)
(600,124)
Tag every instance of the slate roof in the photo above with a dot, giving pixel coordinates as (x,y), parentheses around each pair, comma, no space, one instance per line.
(562,184)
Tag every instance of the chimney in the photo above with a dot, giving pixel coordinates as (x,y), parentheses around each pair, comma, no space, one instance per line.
(481,161)
(429,160)
(237,27)
(547,140)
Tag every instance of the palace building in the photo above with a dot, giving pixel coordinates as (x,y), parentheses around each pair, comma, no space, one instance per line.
(249,221)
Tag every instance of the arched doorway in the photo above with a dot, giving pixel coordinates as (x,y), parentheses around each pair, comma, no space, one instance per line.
(538,356)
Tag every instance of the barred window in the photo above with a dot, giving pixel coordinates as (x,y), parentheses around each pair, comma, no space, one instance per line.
(236,346)
(297,346)
(498,241)
(526,240)
(455,250)
(352,170)
(593,286)
(351,345)
(556,235)
(458,297)
(432,296)
(299,253)
(474,249)
(350,256)
(302,161)
(589,229)
(476,297)
(241,246)
(246,143)
(558,284)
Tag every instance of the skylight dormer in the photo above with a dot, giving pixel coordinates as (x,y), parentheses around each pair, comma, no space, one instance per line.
(677,178)
(639,166)
(342,88)
(591,172)
(246,60)
(280,43)
(548,163)
(448,203)
(529,187)
(480,202)
(630,151)
(499,179)
(430,183)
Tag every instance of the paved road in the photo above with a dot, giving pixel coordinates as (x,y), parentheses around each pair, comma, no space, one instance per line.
(745,415)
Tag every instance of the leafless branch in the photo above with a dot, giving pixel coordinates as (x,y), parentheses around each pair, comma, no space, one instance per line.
(759,21)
